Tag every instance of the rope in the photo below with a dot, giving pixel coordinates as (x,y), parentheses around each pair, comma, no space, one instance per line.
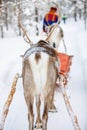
(64,46)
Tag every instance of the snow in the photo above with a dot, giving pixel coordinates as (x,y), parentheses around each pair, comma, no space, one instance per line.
(11,49)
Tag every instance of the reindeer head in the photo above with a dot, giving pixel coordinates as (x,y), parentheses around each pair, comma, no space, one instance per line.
(55,36)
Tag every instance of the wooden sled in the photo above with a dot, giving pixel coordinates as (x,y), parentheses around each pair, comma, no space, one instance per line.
(65,63)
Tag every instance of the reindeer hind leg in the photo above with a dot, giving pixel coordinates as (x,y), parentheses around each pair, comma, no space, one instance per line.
(45,114)
(30,114)
(38,123)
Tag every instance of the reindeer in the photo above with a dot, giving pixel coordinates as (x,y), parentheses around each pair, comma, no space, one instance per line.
(39,73)
(55,35)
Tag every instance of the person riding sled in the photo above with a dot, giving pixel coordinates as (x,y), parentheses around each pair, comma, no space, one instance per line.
(51,18)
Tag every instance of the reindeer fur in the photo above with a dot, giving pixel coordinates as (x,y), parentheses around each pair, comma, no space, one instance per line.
(39,72)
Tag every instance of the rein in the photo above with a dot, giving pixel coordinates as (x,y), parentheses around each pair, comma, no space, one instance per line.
(64,46)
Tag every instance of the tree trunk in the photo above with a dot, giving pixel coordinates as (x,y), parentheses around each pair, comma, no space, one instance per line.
(85,14)
(1,31)
(0,2)
(6,18)
(75,16)
(36,14)
(36,19)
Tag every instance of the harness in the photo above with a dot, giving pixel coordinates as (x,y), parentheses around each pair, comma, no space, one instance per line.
(43,46)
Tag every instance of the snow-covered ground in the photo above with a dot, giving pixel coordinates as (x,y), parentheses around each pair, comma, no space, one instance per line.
(11,47)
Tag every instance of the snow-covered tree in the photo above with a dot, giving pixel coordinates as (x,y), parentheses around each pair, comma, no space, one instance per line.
(32,12)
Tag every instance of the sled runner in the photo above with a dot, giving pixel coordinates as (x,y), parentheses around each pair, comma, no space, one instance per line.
(65,63)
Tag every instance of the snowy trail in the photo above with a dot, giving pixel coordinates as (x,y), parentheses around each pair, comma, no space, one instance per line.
(77,88)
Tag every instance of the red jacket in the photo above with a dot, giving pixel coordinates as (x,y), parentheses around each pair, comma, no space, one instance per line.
(50,18)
